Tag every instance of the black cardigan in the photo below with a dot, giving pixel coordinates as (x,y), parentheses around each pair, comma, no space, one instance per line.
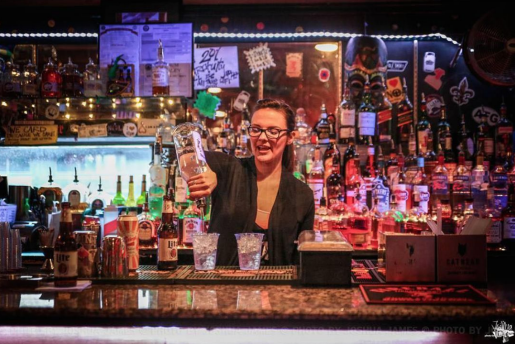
(234,207)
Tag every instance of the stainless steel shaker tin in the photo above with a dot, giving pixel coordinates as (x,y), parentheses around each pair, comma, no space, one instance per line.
(114,257)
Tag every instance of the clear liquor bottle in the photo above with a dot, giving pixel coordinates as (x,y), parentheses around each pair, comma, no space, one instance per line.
(147,231)
(380,186)
(323,127)
(315,178)
(310,156)
(30,81)
(228,137)
(347,118)
(494,234)
(131,200)
(302,128)
(366,116)
(160,74)
(400,189)
(423,127)
(157,182)
(479,184)
(376,219)
(439,182)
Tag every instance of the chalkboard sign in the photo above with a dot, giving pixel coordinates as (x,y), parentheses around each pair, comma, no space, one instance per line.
(216,67)
(31,135)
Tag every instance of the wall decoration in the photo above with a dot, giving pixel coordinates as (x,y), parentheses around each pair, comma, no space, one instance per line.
(216,67)
(396,66)
(394,89)
(294,65)
(259,58)
(95,130)
(429,62)
(207,104)
(434,103)
(435,81)
(130,129)
(491,114)
(461,94)
(148,126)
(30,135)
(241,100)
(324,75)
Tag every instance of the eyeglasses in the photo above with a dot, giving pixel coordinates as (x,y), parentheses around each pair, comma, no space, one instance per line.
(271,133)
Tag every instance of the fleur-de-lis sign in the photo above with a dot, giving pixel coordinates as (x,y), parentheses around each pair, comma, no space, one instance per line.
(461,94)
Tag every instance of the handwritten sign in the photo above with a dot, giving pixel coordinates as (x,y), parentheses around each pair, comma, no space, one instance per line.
(216,67)
(259,58)
(95,130)
(28,135)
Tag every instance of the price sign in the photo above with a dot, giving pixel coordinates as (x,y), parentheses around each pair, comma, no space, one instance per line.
(28,135)
(216,67)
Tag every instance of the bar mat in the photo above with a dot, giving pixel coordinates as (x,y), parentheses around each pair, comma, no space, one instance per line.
(146,274)
(423,294)
(366,271)
(283,275)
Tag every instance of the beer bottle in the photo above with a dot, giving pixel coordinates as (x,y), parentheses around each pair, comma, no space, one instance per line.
(167,237)
(65,251)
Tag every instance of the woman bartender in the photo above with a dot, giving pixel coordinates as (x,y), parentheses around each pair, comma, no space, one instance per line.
(258,194)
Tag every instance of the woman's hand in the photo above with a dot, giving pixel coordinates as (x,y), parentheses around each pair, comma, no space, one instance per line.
(202,185)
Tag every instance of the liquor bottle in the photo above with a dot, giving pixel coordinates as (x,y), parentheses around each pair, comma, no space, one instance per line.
(430,158)
(331,152)
(347,116)
(404,115)
(118,198)
(443,128)
(131,200)
(499,182)
(315,178)
(192,223)
(30,81)
(72,81)
(302,128)
(376,217)
(52,192)
(334,184)
(384,117)
(297,172)
(322,222)
(228,137)
(167,237)
(160,74)
(461,183)
(485,140)
(242,150)
(181,191)
(466,143)
(494,234)
(392,166)
(411,159)
(449,158)
(366,116)
(143,194)
(356,190)
(323,127)
(503,132)
(423,127)
(147,231)
(420,189)
(348,161)
(91,81)
(76,194)
(157,182)
(165,128)
(370,173)
(439,182)
(51,81)
(479,184)
(65,251)
(380,189)
(400,190)
(508,215)
(360,223)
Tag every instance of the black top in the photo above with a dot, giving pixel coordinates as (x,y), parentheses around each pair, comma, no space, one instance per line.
(234,207)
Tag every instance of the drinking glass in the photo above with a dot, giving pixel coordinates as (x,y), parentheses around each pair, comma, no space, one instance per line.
(204,250)
(249,250)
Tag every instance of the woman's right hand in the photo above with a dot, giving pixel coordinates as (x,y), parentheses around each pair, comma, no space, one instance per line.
(202,185)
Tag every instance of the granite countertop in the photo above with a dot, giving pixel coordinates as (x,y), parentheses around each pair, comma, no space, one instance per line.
(234,305)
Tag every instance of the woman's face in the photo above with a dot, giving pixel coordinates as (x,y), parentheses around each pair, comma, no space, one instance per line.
(269,150)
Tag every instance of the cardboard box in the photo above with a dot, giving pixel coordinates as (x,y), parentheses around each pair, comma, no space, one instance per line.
(410,258)
(461,258)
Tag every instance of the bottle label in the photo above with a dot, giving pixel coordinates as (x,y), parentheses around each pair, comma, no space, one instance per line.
(50,87)
(382,194)
(461,184)
(509,228)
(323,132)
(317,185)
(74,198)
(30,90)
(168,207)
(93,88)
(494,234)
(190,226)
(348,118)
(404,117)
(422,141)
(488,146)
(347,132)
(421,195)
(451,167)
(167,249)
(367,123)
(146,229)
(401,196)
(160,77)
(199,151)
(500,200)
(440,183)
(504,130)
(65,264)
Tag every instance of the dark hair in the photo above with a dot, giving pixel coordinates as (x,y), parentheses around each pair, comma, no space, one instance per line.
(289,115)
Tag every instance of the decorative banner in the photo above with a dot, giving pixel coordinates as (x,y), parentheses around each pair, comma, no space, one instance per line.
(259,58)
(294,65)
(148,127)
(216,67)
(394,89)
(434,103)
(207,104)
(52,111)
(491,114)
(435,80)
(461,94)
(324,75)
(396,66)
(28,135)
(96,130)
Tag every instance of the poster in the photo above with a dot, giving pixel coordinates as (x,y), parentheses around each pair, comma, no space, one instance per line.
(216,67)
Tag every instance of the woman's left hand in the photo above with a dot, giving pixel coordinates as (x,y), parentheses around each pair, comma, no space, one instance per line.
(202,185)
